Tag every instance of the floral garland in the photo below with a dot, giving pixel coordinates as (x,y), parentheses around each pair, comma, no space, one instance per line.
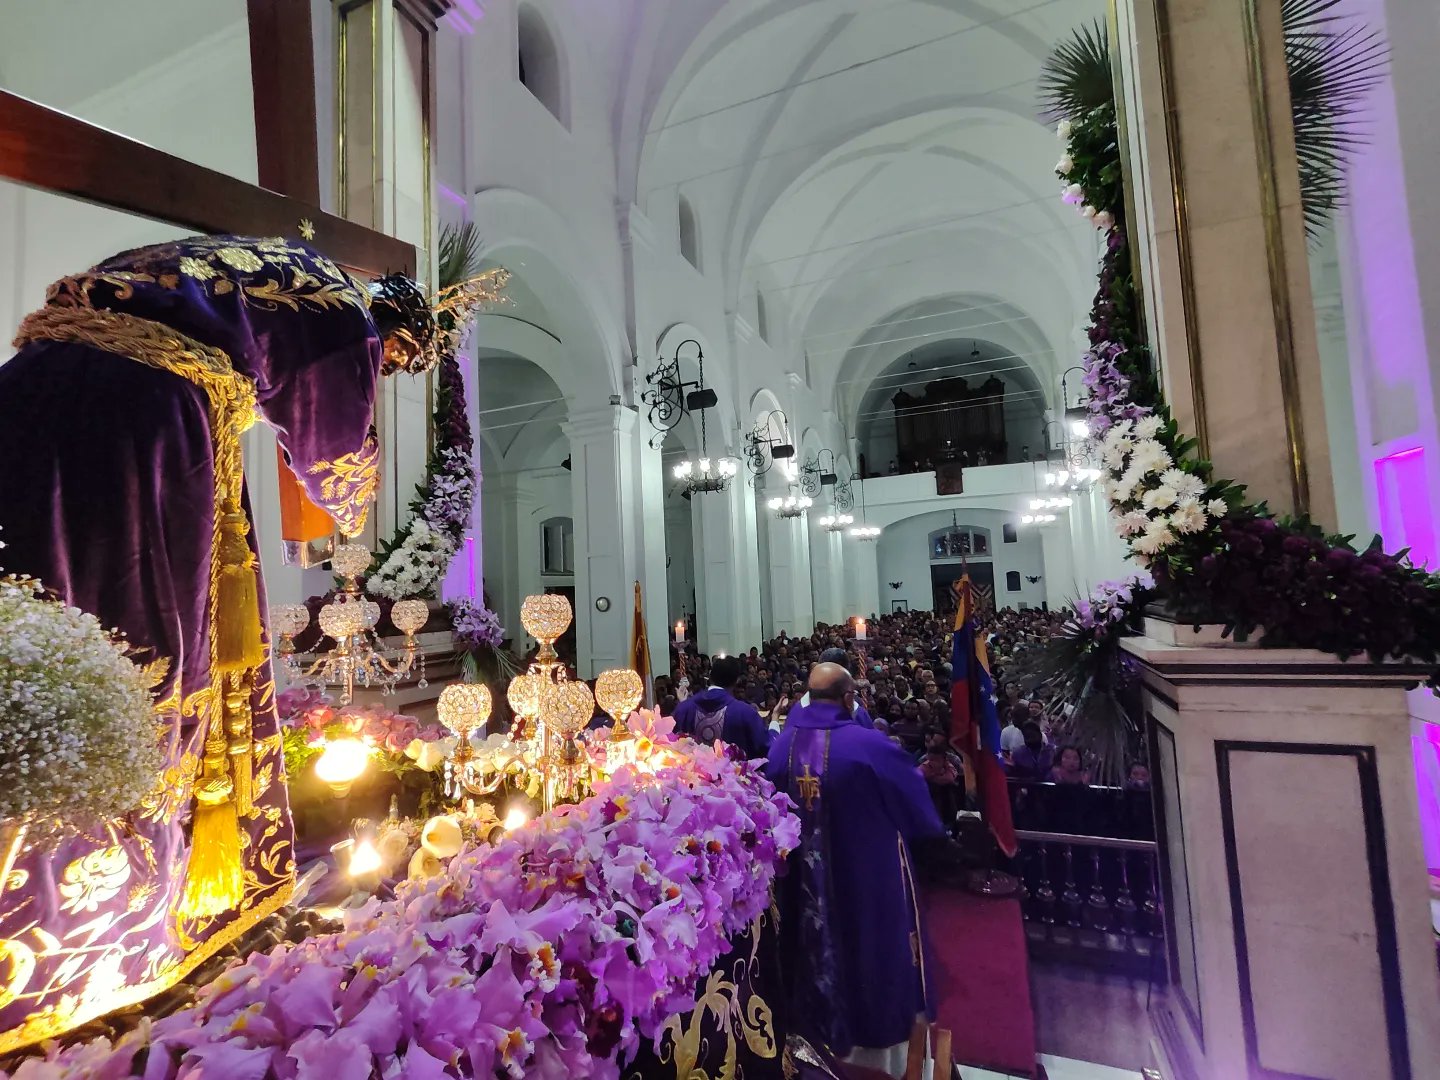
(550,954)
(413,563)
(1215,556)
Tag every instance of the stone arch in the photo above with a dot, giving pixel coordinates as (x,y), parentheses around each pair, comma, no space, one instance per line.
(588,346)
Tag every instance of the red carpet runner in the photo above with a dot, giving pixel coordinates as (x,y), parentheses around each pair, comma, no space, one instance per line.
(982,978)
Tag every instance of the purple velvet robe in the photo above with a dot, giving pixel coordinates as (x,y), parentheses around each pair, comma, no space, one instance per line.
(853,945)
(107,496)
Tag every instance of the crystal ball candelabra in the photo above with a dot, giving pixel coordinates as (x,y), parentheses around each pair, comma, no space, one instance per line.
(619,692)
(349,621)
(550,713)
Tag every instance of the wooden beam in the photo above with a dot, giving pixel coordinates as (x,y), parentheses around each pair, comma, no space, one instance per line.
(47,149)
(282,72)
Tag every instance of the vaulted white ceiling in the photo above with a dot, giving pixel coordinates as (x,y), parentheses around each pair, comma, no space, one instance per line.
(865,163)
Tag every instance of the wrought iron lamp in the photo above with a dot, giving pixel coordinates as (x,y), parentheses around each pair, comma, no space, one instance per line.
(670,396)
(836,522)
(764,448)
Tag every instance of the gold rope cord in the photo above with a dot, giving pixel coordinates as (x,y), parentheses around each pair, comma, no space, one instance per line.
(214,877)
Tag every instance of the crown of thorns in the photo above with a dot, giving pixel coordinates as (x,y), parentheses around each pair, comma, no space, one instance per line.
(431,326)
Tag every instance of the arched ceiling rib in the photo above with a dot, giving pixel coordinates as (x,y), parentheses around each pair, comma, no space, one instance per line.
(871,156)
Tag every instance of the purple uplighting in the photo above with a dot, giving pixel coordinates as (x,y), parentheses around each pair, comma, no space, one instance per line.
(1406,517)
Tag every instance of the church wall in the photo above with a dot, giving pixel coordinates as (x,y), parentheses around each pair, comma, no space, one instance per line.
(904,556)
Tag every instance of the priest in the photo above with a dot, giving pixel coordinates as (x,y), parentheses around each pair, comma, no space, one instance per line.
(121,419)
(853,948)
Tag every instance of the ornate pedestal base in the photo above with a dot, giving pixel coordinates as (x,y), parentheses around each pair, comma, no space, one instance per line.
(1294,878)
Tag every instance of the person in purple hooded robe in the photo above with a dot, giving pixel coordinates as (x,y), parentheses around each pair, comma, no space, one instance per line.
(853,948)
(122,491)
(718,712)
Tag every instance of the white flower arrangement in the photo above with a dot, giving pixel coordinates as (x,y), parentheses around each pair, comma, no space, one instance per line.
(78,734)
(416,566)
(1153,500)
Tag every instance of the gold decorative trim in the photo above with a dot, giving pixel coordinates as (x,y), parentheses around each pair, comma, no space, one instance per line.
(1277,262)
(1165,61)
(31,1033)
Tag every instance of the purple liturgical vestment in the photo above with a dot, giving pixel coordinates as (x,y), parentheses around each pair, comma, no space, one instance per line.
(854,949)
(108,496)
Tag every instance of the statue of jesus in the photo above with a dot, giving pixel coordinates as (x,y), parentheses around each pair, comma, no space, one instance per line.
(122,490)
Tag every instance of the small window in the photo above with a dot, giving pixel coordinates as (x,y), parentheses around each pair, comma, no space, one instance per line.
(762,318)
(537,63)
(689,233)
(1012,581)
(1008,534)
(557,546)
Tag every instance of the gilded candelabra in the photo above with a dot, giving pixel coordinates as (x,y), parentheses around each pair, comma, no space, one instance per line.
(349,620)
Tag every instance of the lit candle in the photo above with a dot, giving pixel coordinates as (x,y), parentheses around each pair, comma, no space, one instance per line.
(515,818)
(364,860)
(859,628)
(680,631)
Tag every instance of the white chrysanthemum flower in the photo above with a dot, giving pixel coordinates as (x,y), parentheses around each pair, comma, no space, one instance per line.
(1150,457)
(1114,455)
(1156,537)
(1133,522)
(1187,485)
(1064,165)
(1188,517)
(1147,427)
(1160,498)
(1117,493)
(1217,508)
(1062,129)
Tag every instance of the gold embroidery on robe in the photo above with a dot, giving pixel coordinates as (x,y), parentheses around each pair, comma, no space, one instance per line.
(349,482)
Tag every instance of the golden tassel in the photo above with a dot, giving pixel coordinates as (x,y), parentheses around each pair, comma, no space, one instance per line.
(241,742)
(215,880)
(236,611)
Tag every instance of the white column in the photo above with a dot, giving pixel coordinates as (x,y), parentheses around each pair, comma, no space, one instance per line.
(826,571)
(727,569)
(654,578)
(502,541)
(862,578)
(1058,550)
(606,501)
(790,575)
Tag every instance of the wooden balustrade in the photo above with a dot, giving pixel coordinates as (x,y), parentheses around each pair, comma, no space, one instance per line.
(1093,898)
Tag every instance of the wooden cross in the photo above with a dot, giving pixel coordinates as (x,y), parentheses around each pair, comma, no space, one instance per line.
(47,149)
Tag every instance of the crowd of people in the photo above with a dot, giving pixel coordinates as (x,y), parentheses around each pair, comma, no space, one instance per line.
(902,685)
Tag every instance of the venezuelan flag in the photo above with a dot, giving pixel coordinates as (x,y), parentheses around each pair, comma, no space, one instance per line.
(974,723)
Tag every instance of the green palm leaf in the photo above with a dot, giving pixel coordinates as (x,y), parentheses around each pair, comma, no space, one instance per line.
(1333,63)
(1076,77)
(459,254)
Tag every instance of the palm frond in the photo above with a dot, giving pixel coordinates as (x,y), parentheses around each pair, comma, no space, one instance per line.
(459,254)
(1333,64)
(1076,78)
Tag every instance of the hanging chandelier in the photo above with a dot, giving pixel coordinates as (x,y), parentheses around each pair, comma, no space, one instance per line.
(836,522)
(866,532)
(791,507)
(349,620)
(705,475)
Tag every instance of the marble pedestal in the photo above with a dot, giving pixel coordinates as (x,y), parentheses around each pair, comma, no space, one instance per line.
(1295,888)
